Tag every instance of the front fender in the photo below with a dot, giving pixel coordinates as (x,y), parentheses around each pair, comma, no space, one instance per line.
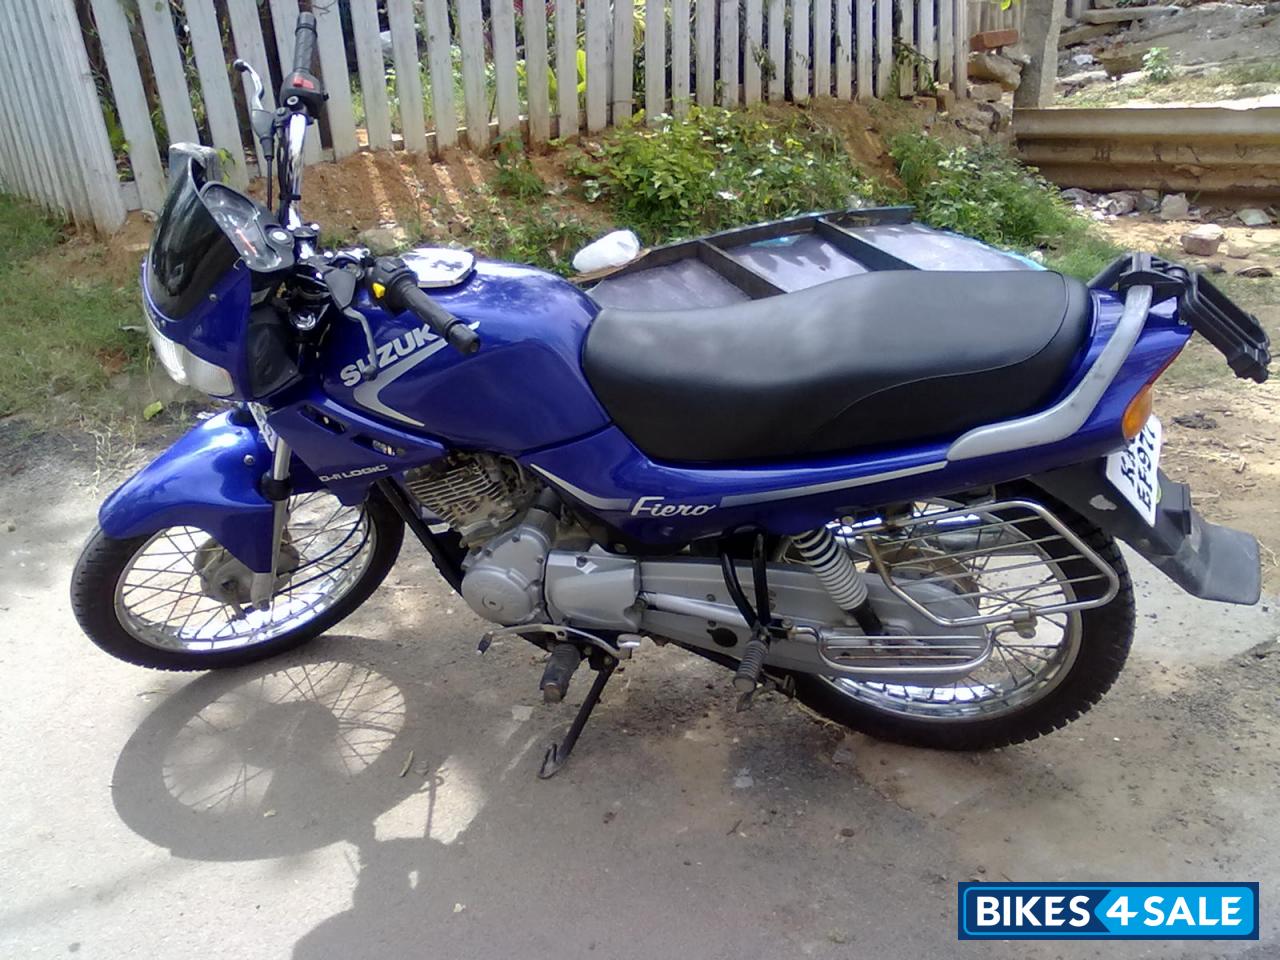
(201,481)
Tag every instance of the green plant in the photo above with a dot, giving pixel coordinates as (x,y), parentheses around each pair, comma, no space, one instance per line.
(718,167)
(516,176)
(1156,66)
(984,192)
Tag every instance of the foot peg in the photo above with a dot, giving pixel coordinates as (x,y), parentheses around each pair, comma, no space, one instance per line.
(564,661)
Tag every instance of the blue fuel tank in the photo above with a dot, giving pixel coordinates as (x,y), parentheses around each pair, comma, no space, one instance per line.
(523,390)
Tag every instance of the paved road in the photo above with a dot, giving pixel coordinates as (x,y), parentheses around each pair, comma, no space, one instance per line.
(374,794)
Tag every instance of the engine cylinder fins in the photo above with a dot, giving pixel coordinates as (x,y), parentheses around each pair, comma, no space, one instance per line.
(834,568)
(476,494)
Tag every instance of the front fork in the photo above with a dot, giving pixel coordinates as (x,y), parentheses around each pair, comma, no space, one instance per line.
(276,488)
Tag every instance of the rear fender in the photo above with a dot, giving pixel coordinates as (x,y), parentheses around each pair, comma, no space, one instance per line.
(207,479)
(1208,561)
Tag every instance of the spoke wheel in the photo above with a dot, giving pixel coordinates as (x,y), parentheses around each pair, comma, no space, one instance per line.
(178,600)
(1031,684)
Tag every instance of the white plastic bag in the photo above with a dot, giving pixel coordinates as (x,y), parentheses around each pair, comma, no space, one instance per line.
(611,250)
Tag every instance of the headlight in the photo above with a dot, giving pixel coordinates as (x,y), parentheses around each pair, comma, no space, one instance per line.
(185,367)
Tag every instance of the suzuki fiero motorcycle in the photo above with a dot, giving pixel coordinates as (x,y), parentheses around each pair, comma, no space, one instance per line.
(875,466)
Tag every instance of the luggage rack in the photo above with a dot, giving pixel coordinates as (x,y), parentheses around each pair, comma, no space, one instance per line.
(1236,333)
(783,256)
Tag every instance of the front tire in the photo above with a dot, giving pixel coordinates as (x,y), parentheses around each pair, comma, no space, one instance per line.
(1105,634)
(108,569)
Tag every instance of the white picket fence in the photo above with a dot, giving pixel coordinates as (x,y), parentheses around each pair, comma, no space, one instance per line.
(423,74)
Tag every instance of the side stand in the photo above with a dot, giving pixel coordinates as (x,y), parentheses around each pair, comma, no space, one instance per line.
(558,754)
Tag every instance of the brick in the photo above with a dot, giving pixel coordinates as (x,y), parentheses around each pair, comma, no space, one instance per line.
(993,39)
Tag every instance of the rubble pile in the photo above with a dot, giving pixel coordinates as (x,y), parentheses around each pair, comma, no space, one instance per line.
(1108,42)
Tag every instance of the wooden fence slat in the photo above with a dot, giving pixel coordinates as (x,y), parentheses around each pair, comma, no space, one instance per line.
(440,57)
(502,24)
(331,49)
(960,51)
(171,78)
(131,102)
(537,68)
(680,62)
(215,87)
(51,116)
(730,53)
(907,37)
(624,38)
(69,67)
(844,49)
(800,50)
(864,40)
(51,193)
(404,53)
(13,171)
(373,73)
(946,16)
(567,67)
(822,48)
(777,53)
(284,20)
(925,41)
(252,49)
(705,57)
(655,59)
(884,46)
(597,29)
(21,142)
(752,51)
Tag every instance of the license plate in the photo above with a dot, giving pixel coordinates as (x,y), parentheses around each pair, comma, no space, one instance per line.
(260,416)
(1135,470)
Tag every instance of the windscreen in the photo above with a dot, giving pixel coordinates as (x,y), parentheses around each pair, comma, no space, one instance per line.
(190,253)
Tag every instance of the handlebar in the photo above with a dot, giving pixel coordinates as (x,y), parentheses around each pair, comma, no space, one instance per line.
(397,286)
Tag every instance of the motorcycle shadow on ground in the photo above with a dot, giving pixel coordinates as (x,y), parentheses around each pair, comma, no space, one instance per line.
(421,758)
(426,768)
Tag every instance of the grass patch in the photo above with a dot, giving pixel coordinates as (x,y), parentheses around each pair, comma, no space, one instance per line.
(61,323)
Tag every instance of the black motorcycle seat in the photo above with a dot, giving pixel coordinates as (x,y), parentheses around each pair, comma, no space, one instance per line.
(871,361)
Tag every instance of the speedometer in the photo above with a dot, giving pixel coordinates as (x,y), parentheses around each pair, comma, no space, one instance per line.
(242,221)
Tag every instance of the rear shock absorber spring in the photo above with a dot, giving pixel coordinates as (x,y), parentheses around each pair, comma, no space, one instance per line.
(834,568)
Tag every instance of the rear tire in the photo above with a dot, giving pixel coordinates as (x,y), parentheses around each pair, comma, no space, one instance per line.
(1106,633)
(104,560)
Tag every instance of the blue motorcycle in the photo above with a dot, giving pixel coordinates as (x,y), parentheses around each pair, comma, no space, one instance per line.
(875,466)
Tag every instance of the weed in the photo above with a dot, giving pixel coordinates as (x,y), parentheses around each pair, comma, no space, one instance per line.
(984,192)
(1156,66)
(542,236)
(516,176)
(717,168)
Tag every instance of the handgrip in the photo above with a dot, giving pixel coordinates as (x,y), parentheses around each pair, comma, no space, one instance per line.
(304,43)
(397,286)
(301,88)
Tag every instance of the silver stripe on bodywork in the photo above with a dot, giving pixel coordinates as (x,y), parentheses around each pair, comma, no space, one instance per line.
(591,500)
(1070,413)
(368,393)
(791,493)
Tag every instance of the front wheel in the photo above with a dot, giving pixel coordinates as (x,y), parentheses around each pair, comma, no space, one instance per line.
(1030,686)
(177,600)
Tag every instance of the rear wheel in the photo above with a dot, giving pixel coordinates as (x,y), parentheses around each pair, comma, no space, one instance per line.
(178,600)
(1030,685)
